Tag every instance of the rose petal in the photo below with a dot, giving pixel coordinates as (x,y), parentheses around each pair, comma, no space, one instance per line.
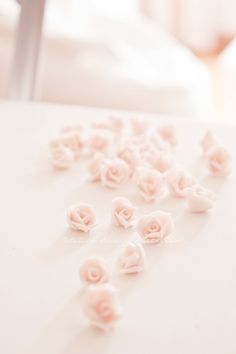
(81,217)
(94,271)
(132,259)
(102,306)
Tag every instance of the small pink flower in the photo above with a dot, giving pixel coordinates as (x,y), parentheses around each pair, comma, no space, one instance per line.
(130,155)
(168,133)
(149,183)
(155,138)
(159,160)
(71,140)
(132,259)
(117,124)
(114,173)
(135,141)
(94,167)
(146,146)
(99,140)
(81,217)
(219,161)
(94,271)
(123,212)
(139,126)
(155,226)
(62,158)
(177,181)
(199,199)
(207,141)
(102,306)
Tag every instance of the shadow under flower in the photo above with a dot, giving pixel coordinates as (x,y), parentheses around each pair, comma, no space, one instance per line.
(69,333)
(215,184)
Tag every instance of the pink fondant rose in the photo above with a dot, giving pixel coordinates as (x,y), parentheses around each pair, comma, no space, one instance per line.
(149,183)
(199,199)
(130,155)
(81,217)
(168,133)
(94,271)
(62,157)
(219,161)
(155,226)
(131,259)
(159,160)
(71,140)
(99,140)
(177,181)
(139,125)
(114,173)
(155,138)
(102,306)
(123,212)
(117,124)
(94,167)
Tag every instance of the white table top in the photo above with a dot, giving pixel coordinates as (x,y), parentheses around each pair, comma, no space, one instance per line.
(185,302)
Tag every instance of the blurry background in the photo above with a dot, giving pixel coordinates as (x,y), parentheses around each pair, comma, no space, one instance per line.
(165,56)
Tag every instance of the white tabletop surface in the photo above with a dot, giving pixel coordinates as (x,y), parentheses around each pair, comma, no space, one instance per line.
(184,302)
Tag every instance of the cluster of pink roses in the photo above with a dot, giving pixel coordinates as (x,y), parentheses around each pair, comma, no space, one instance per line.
(132,141)
(75,142)
(152,227)
(140,153)
(149,158)
(137,151)
(67,147)
(101,304)
(101,301)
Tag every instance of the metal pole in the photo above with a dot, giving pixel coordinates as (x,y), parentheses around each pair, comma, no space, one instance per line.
(27,49)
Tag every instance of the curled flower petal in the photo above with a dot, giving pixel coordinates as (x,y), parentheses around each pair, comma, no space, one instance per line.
(123,212)
(114,173)
(168,134)
(199,199)
(177,181)
(94,167)
(99,141)
(155,138)
(218,161)
(102,306)
(132,259)
(159,160)
(155,226)
(81,217)
(149,183)
(94,271)
(62,158)
(71,140)
(130,155)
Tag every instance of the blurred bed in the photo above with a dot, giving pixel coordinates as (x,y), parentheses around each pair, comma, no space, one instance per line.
(122,63)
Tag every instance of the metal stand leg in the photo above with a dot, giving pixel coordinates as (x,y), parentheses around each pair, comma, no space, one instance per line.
(27,48)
